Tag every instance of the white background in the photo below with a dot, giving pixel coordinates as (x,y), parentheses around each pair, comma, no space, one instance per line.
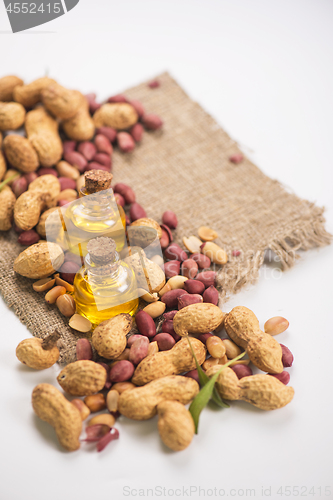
(264,69)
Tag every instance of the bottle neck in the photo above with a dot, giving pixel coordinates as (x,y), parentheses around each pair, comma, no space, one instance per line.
(98,204)
(102,272)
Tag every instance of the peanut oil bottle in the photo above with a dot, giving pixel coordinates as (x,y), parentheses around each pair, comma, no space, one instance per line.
(94,214)
(105,286)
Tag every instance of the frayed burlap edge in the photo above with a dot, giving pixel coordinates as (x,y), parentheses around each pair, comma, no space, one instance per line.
(186,167)
(244,270)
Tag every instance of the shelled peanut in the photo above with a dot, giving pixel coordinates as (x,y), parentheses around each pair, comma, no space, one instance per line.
(161,388)
(48,173)
(65,136)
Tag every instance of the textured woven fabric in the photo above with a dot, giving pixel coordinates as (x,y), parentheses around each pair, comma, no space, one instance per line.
(185,167)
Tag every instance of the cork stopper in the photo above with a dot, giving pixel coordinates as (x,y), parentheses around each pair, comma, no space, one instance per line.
(102,250)
(97,180)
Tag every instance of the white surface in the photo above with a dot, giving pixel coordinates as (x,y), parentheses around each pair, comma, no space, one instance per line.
(264,69)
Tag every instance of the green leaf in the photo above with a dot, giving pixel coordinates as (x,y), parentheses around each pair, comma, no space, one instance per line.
(218,400)
(201,400)
(203,379)
(208,390)
(202,376)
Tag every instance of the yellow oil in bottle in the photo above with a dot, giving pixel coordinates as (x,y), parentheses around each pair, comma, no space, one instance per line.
(105,286)
(94,214)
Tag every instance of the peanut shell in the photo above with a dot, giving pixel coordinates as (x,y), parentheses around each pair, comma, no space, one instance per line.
(177,360)
(20,153)
(7,86)
(40,228)
(175,425)
(37,260)
(31,353)
(109,337)
(12,116)
(61,102)
(52,407)
(7,202)
(141,403)
(120,116)
(3,165)
(81,127)
(197,319)
(28,208)
(29,95)
(153,279)
(82,378)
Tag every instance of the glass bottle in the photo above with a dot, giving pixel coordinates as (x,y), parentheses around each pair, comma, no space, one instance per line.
(94,214)
(105,286)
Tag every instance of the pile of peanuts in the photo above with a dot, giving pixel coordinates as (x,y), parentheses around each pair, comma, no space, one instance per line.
(46,129)
(135,368)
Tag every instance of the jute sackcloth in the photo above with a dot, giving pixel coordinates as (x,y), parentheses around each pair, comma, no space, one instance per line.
(185,167)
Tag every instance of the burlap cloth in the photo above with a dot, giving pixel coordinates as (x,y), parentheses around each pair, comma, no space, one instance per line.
(185,167)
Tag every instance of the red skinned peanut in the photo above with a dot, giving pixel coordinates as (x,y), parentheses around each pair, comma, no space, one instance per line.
(284,377)
(126,191)
(109,132)
(202,260)
(242,370)
(68,146)
(83,349)
(136,132)
(121,371)
(31,176)
(67,183)
(68,271)
(236,158)
(137,212)
(170,299)
(207,278)
(87,149)
(169,218)
(204,336)
(167,327)
(174,252)
(146,324)
(171,268)
(103,159)
(164,341)
(194,286)
(189,268)
(47,171)
(132,339)
(287,356)
(28,238)
(211,295)
(118,98)
(189,299)
(193,374)
(125,142)
(139,350)
(19,186)
(138,107)
(164,240)
(169,315)
(103,145)
(152,121)
(76,159)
